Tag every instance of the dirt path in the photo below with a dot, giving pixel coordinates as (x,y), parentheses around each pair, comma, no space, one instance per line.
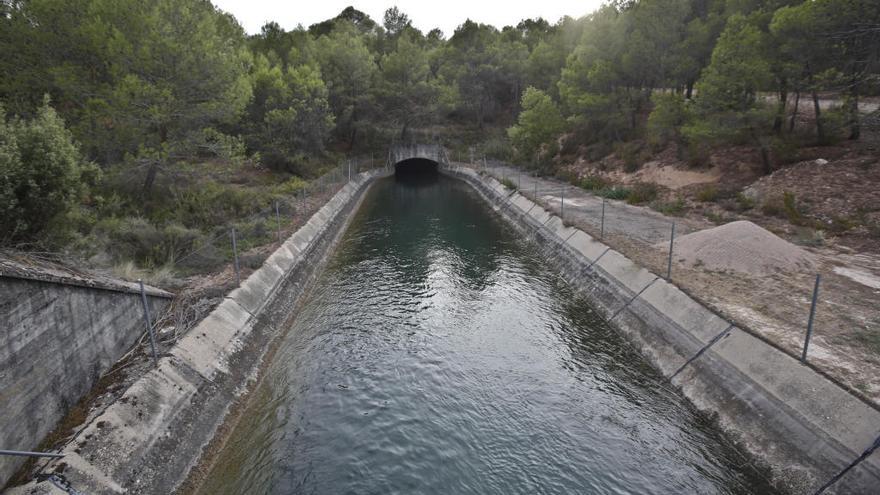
(583,208)
(846,339)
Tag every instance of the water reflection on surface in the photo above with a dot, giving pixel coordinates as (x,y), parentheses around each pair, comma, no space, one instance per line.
(439,354)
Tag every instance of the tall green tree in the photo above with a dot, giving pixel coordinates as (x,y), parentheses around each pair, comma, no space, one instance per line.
(349,70)
(727,104)
(408,92)
(538,124)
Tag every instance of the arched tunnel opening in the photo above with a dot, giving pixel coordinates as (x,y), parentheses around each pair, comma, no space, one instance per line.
(416,170)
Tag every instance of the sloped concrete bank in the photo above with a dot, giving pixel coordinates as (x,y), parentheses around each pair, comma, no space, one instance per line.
(59,333)
(805,428)
(149,440)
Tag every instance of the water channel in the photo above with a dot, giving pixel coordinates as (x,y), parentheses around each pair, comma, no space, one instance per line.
(439,353)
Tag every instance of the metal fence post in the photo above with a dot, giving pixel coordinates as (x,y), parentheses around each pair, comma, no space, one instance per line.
(812,315)
(602,224)
(278,221)
(669,263)
(562,204)
(149,323)
(235,258)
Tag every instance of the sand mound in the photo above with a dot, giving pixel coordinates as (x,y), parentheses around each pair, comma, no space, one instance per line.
(742,247)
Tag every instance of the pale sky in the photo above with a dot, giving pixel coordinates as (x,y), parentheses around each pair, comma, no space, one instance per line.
(445,14)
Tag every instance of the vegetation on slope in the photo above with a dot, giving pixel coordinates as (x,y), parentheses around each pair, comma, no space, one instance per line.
(176,122)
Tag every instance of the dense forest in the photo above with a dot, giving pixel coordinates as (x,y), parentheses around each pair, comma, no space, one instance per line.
(125,117)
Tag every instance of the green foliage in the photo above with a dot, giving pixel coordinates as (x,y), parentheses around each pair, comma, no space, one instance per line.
(707,194)
(672,208)
(593,183)
(44,175)
(508,183)
(744,202)
(727,105)
(666,119)
(538,123)
(642,192)
(615,192)
(791,209)
(133,238)
(631,155)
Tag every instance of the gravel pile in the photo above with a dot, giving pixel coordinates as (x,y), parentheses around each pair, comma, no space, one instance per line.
(741,247)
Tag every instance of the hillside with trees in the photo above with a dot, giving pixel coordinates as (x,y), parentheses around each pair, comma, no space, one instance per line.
(131,131)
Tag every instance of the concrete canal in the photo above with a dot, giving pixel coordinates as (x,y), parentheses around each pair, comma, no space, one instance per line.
(439,353)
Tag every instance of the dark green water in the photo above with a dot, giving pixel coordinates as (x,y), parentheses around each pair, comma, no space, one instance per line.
(440,354)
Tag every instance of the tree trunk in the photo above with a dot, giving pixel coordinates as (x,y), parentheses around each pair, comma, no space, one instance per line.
(689,90)
(855,129)
(153,169)
(820,126)
(766,166)
(797,104)
(780,112)
(150,179)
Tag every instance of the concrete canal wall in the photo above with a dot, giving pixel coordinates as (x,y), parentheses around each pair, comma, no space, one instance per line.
(800,424)
(148,440)
(58,334)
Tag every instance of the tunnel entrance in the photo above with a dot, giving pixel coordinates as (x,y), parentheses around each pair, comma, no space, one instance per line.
(416,170)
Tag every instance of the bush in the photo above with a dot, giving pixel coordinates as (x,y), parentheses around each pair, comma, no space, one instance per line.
(44,175)
(707,194)
(672,208)
(629,153)
(211,204)
(793,210)
(665,121)
(744,202)
(593,183)
(642,192)
(615,192)
(509,184)
(134,238)
(498,148)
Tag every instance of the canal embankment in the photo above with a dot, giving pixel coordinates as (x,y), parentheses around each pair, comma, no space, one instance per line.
(149,439)
(803,426)
(60,333)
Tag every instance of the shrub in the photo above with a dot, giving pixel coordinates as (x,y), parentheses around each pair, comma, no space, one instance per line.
(44,175)
(593,183)
(744,202)
(665,121)
(642,192)
(629,153)
(615,192)
(790,207)
(509,184)
(707,194)
(134,238)
(498,148)
(673,208)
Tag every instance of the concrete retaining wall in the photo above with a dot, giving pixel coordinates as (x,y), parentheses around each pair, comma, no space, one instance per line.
(149,440)
(801,425)
(58,334)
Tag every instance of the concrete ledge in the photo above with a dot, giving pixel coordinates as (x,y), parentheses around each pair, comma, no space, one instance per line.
(801,425)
